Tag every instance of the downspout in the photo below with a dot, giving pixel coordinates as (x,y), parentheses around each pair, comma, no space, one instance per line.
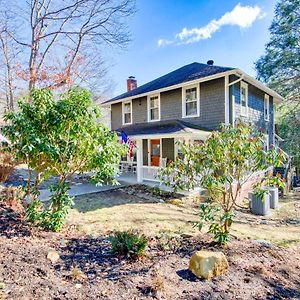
(241,77)
(238,80)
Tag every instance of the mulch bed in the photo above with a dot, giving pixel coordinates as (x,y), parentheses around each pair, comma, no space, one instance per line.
(87,270)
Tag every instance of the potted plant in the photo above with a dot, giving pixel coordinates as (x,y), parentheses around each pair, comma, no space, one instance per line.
(260,200)
(273,184)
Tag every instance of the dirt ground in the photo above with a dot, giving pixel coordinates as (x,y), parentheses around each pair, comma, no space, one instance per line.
(259,268)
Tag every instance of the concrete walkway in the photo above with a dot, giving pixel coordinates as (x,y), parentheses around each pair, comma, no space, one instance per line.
(81,189)
(126,179)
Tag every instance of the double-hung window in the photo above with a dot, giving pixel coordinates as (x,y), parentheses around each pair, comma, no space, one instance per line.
(153,108)
(127,112)
(244,98)
(190,101)
(267,107)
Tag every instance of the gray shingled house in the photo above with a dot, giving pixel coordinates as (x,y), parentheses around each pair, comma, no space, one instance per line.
(187,104)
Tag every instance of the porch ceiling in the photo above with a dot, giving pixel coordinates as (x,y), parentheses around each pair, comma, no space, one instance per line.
(164,128)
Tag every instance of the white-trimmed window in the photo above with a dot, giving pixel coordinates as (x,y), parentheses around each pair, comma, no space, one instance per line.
(244,98)
(190,101)
(267,107)
(127,112)
(154,108)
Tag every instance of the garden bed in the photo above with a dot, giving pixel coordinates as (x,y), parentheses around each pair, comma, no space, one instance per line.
(87,270)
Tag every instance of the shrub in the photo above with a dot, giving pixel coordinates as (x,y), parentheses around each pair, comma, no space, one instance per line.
(222,165)
(53,217)
(128,243)
(7,165)
(59,135)
(216,219)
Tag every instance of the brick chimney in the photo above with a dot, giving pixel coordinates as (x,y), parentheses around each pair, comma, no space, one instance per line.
(131,83)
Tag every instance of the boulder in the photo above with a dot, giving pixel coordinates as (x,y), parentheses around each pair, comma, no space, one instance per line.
(53,256)
(208,264)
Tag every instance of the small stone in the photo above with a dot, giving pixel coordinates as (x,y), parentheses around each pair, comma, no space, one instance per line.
(78,285)
(53,256)
(208,264)
(62,243)
(293,222)
(265,243)
(176,202)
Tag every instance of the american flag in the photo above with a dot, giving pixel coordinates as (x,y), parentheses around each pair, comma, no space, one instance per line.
(130,143)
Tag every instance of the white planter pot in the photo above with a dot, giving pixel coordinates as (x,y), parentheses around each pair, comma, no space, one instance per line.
(274,197)
(258,206)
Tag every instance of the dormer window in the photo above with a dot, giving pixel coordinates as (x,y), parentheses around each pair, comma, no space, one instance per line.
(190,102)
(267,107)
(244,99)
(127,112)
(153,108)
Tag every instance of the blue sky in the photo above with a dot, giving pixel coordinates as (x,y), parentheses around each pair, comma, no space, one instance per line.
(232,33)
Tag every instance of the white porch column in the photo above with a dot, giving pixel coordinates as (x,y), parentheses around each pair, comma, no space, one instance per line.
(139,160)
(186,139)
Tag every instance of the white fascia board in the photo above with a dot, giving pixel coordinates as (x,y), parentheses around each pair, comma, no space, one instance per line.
(172,87)
(203,134)
(277,98)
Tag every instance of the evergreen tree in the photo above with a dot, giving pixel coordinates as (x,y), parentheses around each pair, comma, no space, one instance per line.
(279,67)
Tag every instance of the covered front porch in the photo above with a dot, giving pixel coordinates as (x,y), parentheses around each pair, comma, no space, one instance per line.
(156,146)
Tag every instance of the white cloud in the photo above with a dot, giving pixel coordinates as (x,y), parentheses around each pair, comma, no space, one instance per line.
(241,16)
(163,42)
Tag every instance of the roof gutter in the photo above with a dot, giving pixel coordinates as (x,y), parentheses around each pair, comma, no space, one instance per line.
(172,87)
(238,72)
(277,98)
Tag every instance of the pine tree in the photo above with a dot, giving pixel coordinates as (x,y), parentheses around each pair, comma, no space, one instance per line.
(279,67)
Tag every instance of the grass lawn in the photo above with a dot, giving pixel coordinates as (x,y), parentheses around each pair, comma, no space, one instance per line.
(118,210)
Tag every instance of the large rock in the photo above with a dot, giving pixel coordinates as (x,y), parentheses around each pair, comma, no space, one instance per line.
(208,264)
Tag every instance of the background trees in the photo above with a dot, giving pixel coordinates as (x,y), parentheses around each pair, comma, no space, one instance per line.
(279,67)
(61,42)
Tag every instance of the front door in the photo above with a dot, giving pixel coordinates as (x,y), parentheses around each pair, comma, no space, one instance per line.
(155,152)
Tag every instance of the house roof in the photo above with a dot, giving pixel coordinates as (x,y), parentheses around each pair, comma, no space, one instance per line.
(162,127)
(186,73)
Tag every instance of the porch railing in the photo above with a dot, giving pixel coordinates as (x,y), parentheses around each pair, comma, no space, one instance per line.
(150,173)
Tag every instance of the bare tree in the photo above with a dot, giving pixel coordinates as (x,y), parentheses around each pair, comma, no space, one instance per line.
(62,39)
(9,53)
(7,76)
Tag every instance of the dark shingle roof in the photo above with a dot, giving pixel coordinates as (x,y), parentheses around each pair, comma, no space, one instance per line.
(184,74)
(163,127)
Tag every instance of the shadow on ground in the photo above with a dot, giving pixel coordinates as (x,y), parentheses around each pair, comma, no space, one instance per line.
(12,223)
(93,257)
(119,196)
(279,291)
